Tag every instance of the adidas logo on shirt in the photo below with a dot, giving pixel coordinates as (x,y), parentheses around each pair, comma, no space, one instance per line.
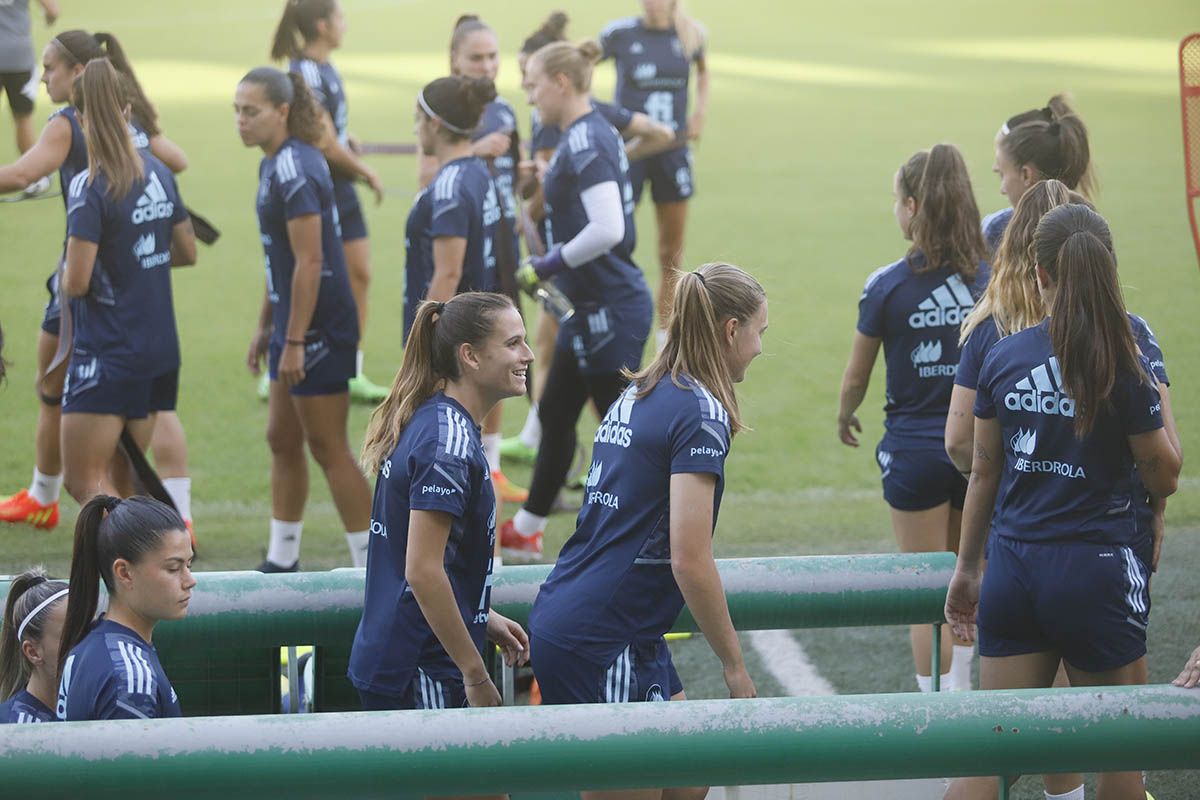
(593,476)
(144,251)
(153,204)
(645,72)
(948,304)
(925,359)
(614,429)
(601,498)
(1041,392)
(1024,443)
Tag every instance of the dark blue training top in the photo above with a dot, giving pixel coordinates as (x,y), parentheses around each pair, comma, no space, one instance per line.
(113,673)
(545,137)
(330,93)
(438,465)
(652,70)
(127,318)
(23,708)
(1055,486)
(295,182)
(994,225)
(500,117)
(460,202)
(613,583)
(591,153)
(917,314)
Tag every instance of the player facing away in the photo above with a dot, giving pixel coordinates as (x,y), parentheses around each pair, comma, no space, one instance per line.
(1064,414)
(653,55)
(642,547)
(1043,143)
(308,326)
(109,669)
(589,209)
(62,148)
(913,308)
(427,610)
(126,227)
(33,623)
(307,35)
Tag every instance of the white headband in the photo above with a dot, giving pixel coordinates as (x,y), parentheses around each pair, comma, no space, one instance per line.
(37,610)
(445,124)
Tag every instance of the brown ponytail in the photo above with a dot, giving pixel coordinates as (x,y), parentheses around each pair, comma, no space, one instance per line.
(26,592)
(1089,327)
(305,120)
(298,26)
(704,301)
(99,94)
(430,360)
(554,29)
(458,101)
(945,227)
(1055,143)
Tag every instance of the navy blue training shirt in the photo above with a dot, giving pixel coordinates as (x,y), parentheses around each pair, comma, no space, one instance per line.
(652,70)
(613,583)
(330,93)
(127,318)
(76,160)
(295,182)
(545,137)
(918,315)
(994,225)
(438,465)
(1055,486)
(113,673)
(460,202)
(23,709)
(500,117)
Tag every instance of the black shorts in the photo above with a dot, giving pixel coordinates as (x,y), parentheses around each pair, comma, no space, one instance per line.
(21,88)
(89,390)
(670,174)
(918,479)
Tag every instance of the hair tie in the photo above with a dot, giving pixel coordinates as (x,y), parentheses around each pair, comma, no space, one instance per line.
(440,308)
(701,277)
(37,610)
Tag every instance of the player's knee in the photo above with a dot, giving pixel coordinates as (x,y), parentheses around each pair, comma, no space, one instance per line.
(328,451)
(284,442)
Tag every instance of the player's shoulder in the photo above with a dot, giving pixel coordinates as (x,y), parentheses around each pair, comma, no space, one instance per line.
(688,398)
(620,26)
(887,277)
(456,432)
(78,187)
(997,218)
(1141,328)
(309,70)
(297,160)
(449,178)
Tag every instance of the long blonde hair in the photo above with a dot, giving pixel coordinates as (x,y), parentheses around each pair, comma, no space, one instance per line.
(704,300)
(430,360)
(101,95)
(1011,298)
(691,33)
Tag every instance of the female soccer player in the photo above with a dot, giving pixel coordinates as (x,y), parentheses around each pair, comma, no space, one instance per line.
(1050,142)
(308,32)
(1064,413)
(653,55)
(62,148)
(589,205)
(643,544)
(914,308)
(429,575)
(109,669)
(308,326)
(126,226)
(33,622)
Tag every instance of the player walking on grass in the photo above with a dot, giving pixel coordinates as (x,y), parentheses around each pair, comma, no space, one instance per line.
(62,147)
(308,326)
(1065,412)
(913,308)
(433,521)
(33,622)
(108,667)
(589,207)
(308,33)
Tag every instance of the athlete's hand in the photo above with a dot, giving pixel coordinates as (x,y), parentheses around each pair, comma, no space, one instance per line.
(527,278)
(258,351)
(482,695)
(376,183)
(354,143)
(540,166)
(695,126)
(510,637)
(50,7)
(492,145)
(846,429)
(739,683)
(1191,671)
(291,365)
(962,600)
(527,170)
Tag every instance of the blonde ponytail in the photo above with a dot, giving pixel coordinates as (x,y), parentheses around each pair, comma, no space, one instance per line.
(690,32)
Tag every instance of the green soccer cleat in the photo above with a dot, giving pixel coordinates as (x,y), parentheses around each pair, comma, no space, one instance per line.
(513,449)
(264,386)
(362,390)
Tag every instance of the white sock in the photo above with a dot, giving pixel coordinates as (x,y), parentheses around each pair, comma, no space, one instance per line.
(1074,794)
(358,542)
(45,488)
(528,524)
(180,490)
(531,434)
(358,363)
(925,682)
(660,339)
(284,549)
(960,668)
(491,449)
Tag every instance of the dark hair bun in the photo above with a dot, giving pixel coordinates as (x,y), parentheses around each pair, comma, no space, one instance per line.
(555,25)
(477,93)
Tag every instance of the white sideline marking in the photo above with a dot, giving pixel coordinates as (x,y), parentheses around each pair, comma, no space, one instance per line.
(788,664)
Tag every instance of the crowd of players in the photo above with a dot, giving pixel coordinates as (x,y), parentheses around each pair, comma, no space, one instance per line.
(1023,400)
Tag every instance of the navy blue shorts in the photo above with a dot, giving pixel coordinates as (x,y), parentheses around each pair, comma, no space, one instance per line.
(422,692)
(642,672)
(350,213)
(1090,603)
(327,369)
(670,176)
(916,480)
(52,318)
(607,339)
(89,390)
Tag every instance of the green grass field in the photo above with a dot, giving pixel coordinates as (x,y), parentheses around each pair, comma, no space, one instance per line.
(813,108)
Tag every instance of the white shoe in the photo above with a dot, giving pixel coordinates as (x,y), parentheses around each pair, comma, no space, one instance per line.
(40,186)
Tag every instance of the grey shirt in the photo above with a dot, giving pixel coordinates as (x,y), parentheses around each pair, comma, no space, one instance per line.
(16,37)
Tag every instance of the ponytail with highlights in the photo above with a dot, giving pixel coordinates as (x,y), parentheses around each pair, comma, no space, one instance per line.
(690,32)
(704,301)
(100,95)
(1089,326)
(430,361)
(298,26)
(305,121)
(1054,141)
(26,592)
(945,227)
